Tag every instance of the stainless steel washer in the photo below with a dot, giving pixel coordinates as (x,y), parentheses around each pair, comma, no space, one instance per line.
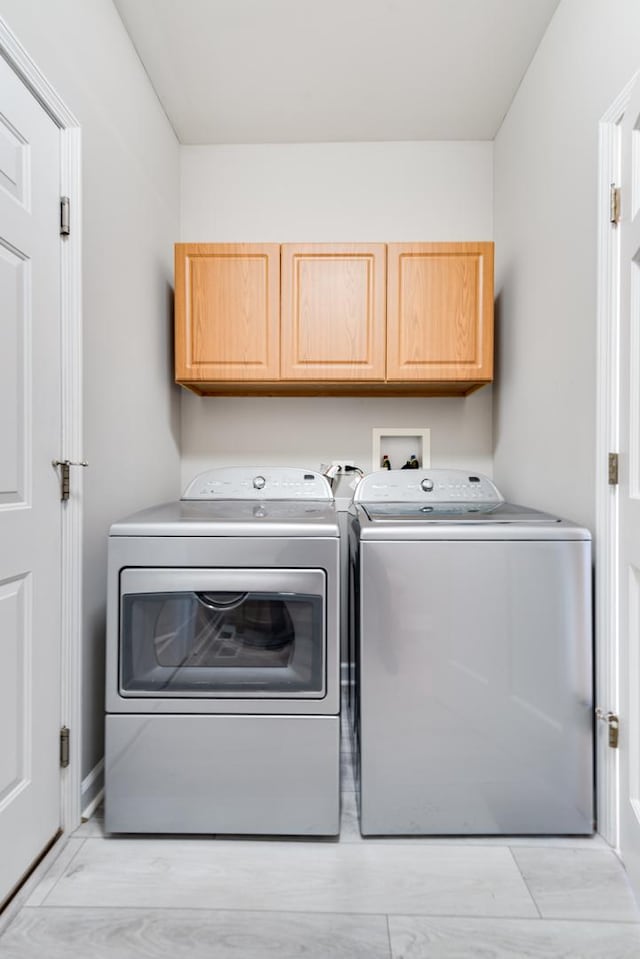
(223,689)
(472,641)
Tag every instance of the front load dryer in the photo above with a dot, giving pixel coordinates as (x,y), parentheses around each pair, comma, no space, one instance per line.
(471,639)
(223,692)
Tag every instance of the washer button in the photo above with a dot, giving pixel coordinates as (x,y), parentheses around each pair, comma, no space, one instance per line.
(259,482)
(426,485)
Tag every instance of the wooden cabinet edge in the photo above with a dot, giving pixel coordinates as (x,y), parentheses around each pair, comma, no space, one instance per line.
(447,388)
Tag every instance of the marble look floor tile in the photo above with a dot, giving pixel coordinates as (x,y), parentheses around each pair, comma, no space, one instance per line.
(92,827)
(349,824)
(345,730)
(515,842)
(347,781)
(192,934)
(37,884)
(346,746)
(420,938)
(57,869)
(577,883)
(558,842)
(300,877)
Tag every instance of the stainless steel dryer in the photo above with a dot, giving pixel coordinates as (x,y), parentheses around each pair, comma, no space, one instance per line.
(223,688)
(472,642)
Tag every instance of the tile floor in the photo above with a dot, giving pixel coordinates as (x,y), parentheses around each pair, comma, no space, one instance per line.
(205,898)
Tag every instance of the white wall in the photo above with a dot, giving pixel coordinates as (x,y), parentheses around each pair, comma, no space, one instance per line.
(333,192)
(546,155)
(130,221)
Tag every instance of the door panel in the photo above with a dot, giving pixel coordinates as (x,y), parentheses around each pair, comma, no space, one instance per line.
(14,424)
(629,493)
(15,602)
(13,161)
(227,311)
(29,489)
(440,311)
(333,312)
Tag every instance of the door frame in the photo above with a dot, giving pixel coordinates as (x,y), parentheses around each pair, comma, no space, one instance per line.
(71,416)
(607,639)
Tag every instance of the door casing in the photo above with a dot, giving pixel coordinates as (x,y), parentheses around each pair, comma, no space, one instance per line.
(607,637)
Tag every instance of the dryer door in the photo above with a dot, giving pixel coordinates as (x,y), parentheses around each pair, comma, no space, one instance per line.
(222,633)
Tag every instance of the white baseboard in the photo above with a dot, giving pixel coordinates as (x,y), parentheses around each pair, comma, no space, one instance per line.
(92,790)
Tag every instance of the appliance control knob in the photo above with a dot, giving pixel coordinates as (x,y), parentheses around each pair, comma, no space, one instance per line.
(259,482)
(427,485)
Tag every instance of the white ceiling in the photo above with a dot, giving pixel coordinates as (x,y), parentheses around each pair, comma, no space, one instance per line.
(283,71)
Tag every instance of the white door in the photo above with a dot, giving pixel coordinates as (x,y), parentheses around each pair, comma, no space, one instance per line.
(30,511)
(629,502)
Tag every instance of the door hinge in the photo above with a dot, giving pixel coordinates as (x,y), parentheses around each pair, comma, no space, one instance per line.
(613,725)
(65,216)
(613,469)
(65,476)
(64,747)
(614,204)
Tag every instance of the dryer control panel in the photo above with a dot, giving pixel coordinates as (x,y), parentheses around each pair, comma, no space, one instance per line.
(255,482)
(427,486)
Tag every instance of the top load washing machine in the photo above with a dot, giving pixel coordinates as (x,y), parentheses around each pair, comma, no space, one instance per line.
(223,689)
(472,642)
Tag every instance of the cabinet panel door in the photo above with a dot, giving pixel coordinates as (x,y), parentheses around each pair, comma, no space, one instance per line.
(227,303)
(440,311)
(333,311)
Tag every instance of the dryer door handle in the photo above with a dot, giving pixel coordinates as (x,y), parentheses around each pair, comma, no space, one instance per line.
(222,600)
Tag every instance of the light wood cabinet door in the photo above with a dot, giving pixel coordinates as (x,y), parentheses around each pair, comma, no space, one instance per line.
(227,307)
(333,312)
(440,312)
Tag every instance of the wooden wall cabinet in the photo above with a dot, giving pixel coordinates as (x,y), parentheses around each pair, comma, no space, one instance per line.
(334,319)
(440,312)
(227,312)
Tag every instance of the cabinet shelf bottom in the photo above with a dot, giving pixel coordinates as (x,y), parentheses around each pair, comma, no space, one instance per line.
(290,388)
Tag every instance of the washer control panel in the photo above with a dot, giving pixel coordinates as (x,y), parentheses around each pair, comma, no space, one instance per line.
(249,482)
(427,486)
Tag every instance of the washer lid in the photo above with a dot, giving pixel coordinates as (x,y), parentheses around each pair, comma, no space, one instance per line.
(402,522)
(473,513)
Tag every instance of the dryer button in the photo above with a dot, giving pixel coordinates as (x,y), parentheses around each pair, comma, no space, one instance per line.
(426,485)
(259,482)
